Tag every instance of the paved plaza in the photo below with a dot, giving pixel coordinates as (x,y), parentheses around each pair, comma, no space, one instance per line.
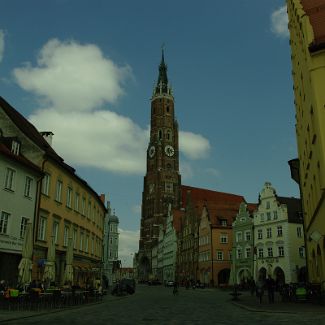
(157,305)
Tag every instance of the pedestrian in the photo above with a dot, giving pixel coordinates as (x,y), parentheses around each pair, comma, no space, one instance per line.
(270,285)
(252,286)
(260,290)
(175,289)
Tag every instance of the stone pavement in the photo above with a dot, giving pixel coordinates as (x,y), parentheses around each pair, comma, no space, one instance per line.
(251,303)
(11,315)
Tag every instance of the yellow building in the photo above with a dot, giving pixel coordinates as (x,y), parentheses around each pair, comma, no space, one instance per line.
(69,208)
(307,40)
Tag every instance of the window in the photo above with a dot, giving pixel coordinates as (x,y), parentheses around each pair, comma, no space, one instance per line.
(224,238)
(169,187)
(160,135)
(66,235)
(248,252)
(76,202)
(268,216)
(299,232)
(260,252)
(4,222)
(83,206)
(92,246)
(268,232)
(42,228)
(279,229)
(269,252)
(239,236)
(223,222)
(219,255)
(281,250)
(10,178)
(55,231)
(87,243)
(302,252)
(247,235)
(58,191)
(81,241)
(46,184)
(89,209)
(74,238)
(260,234)
(268,204)
(69,197)
(239,253)
(275,215)
(28,187)
(15,146)
(262,216)
(23,225)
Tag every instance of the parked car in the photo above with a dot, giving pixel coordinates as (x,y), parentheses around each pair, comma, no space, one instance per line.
(154,282)
(170,283)
(124,287)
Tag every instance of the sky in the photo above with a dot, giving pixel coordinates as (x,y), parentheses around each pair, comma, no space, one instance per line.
(85,70)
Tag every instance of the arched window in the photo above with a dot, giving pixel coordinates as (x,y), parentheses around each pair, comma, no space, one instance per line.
(160,134)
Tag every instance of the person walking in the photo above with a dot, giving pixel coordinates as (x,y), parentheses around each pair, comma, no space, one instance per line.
(259,290)
(270,285)
(175,289)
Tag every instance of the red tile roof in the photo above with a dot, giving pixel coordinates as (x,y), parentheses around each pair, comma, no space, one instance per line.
(219,204)
(315,9)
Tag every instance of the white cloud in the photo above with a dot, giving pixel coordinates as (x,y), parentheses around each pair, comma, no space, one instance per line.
(128,245)
(193,146)
(279,22)
(100,139)
(73,77)
(136,209)
(2,44)
(73,82)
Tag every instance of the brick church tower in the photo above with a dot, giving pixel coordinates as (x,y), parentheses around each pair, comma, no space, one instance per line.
(162,182)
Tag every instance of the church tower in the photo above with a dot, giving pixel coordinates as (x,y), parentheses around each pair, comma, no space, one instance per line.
(162,182)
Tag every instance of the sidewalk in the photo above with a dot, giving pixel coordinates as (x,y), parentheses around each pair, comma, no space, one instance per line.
(11,315)
(251,303)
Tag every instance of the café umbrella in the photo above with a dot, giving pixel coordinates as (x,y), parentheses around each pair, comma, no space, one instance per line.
(25,265)
(49,271)
(68,272)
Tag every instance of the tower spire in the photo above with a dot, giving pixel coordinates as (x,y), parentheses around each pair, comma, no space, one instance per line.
(162,83)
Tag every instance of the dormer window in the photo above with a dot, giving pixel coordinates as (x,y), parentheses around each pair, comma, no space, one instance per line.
(15,146)
(223,222)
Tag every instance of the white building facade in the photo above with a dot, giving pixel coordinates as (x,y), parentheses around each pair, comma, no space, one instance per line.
(111,242)
(19,180)
(278,237)
(170,250)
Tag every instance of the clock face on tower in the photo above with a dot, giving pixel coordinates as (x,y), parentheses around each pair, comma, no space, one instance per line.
(169,151)
(152,151)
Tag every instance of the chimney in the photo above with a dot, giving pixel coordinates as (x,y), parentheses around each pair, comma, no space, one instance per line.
(47,135)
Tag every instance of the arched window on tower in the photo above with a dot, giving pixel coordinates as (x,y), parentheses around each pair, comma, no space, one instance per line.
(160,134)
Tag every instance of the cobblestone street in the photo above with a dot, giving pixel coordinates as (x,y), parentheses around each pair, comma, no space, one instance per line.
(157,305)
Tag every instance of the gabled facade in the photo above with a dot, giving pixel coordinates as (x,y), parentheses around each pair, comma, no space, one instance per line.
(279,238)
(207,237)
(307,41)
(243,245)
(19,181)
